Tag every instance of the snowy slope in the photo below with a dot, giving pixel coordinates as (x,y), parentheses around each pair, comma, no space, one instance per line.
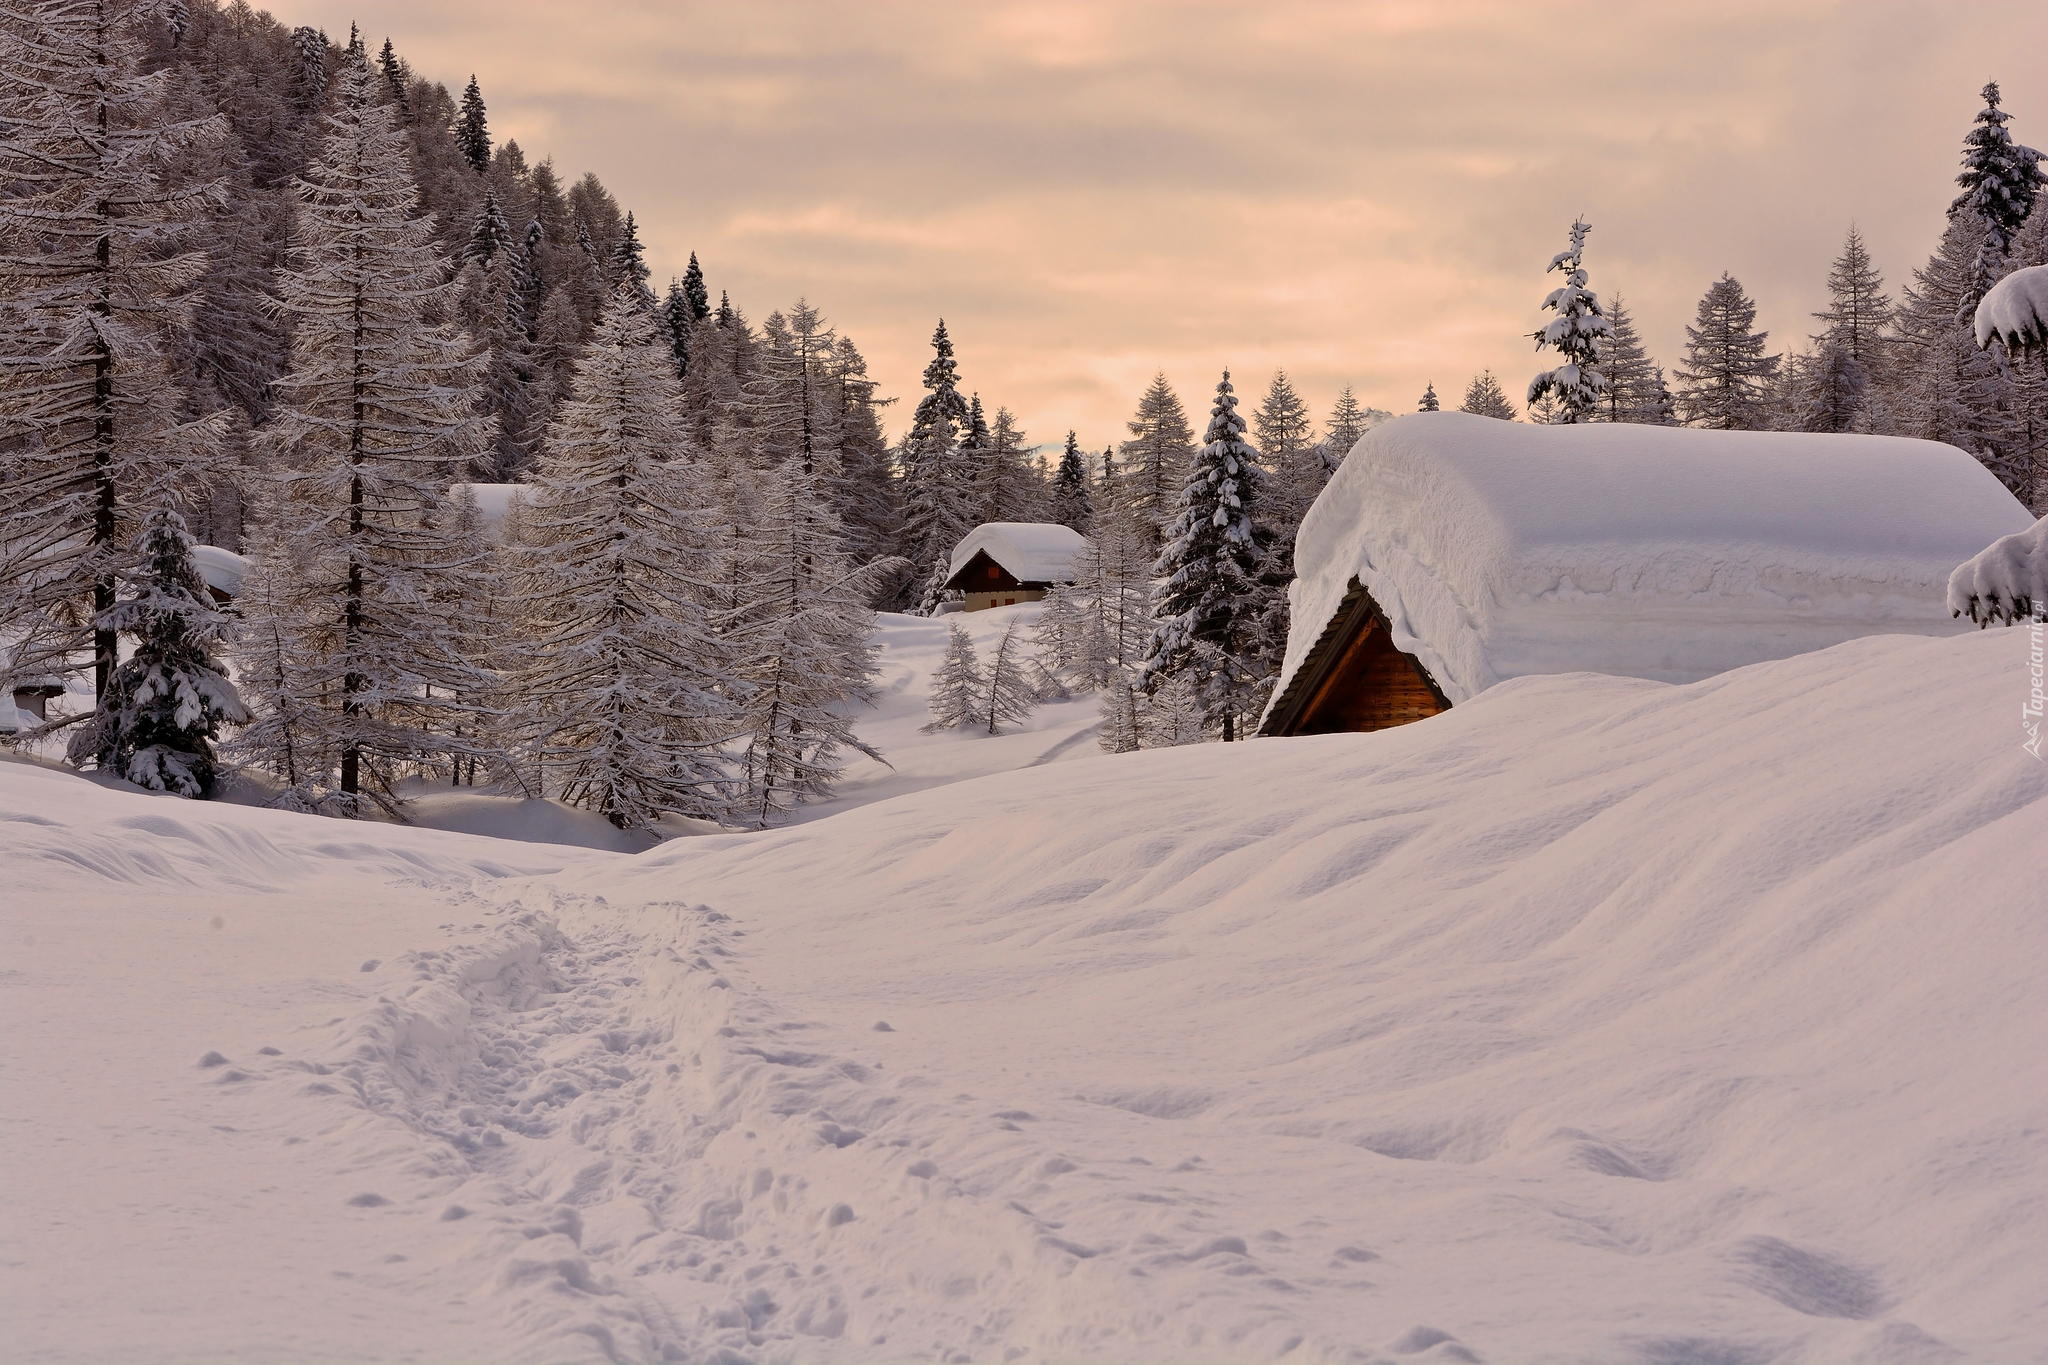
(910,649)
(1596,1020)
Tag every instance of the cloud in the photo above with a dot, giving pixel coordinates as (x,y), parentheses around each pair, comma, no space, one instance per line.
(1365,193)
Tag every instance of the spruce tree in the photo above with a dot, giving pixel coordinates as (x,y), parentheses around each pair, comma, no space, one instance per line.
(629,262)
(1722,384)
(625,701)
(1209,598)
(1485,397)
(473,130)
(680,321)
(397,80)
(957,684)
(1154,462)
(1428,402)
(1071,504)
(489,233)
(377,415)
(93,425)
(167,701)
(694,290)
(935,491)
(1578,334)
(2000,182)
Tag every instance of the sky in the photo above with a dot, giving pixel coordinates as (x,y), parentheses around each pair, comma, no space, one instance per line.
(1360,193)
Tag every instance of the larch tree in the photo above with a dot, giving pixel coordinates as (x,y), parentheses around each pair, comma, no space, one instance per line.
(97,285)
(1209,600)
(170,697)
(1285,436)
(1349,420)
(1859,310)
(1485,398)
(862,489)
(1154,462)
(1071,504)
(1578,333)
(1631,385)
(1007,695)
(957,683)
(377,414)
(1722,384)
(625,701)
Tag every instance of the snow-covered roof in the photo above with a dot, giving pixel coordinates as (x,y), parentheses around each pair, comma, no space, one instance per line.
(2006,580)
(2016,309)
(1500,549)
(1030,551)
(13,720)
(494,500)
(223,570)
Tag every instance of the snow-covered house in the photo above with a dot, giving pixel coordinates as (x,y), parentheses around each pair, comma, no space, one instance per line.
(1451,552)
(1000,563)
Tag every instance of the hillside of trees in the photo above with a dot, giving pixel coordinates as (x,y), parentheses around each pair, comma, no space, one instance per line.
(273,291)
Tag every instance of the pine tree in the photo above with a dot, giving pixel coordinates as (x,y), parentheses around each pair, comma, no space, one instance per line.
(2000,183)
(473,130)
(625,701)
(1722,384)
(1631,385)
(1485,397)
(1154,462)
(1209,598)
(1007,695)
(167,701)
(957,684)
(94,424)
(1071,504)
(1578,334)
(376,415)
(1428,401)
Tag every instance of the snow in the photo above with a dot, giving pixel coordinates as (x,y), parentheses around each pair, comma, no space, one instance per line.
(1503,549)
(2005,580)
(1600,1019)
(2016,309)
(1032,551)
(222,570)
(494,501)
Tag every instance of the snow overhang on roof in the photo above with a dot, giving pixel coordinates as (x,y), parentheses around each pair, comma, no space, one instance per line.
(1029,551)
(1500,549)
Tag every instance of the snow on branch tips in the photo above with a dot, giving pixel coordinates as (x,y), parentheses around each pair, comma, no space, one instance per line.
(1578,333)
(2015,311)
(2007,582)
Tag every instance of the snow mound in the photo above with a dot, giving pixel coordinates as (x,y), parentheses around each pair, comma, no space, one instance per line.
(1503,549)
(2016,309)
(1032,551)
(1597,1020)
(2006,581)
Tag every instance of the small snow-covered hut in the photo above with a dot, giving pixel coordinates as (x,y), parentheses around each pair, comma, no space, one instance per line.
(1451,552)
(221,570)
(27,703)
(1000,563)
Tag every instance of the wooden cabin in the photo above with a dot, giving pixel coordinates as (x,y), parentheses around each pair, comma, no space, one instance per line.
(1002,563)
(1452,552)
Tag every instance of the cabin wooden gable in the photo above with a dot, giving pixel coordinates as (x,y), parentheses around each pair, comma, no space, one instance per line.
(1355,679)
(982,574)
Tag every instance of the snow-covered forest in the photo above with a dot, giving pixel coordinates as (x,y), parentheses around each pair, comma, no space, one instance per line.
(277,283)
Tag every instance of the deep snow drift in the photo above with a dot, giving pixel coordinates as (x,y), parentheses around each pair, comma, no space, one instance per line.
(1596,1020)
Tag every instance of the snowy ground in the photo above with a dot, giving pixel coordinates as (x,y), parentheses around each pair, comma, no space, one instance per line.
(1595,1020)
